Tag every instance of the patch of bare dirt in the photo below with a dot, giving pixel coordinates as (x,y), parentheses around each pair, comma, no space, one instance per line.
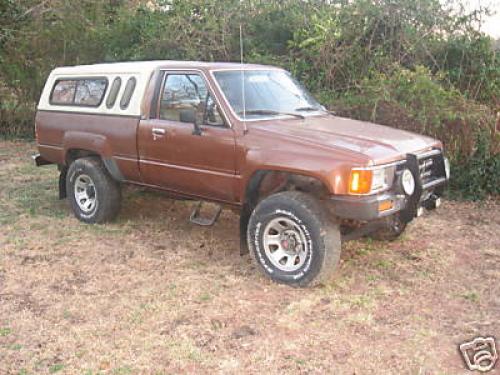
(152,293)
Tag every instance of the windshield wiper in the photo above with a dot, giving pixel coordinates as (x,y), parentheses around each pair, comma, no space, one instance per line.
(308,109)
(269,112)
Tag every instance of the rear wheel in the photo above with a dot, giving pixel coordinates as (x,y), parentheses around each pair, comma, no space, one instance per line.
(93,194)
(293,240)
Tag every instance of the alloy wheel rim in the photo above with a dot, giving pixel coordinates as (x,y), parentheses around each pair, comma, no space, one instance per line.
(85,193)
(285,244)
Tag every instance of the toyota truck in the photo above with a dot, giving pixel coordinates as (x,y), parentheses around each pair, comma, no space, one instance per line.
(241,136)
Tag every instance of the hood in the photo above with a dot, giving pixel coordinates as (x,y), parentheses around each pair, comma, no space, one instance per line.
(380,144)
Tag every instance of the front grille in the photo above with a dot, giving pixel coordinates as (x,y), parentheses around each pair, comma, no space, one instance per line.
(431,167)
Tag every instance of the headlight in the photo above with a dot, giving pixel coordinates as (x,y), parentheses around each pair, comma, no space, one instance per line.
(379,179)
(370,180)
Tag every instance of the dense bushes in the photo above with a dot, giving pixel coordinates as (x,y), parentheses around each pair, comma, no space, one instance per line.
(414,100)
(477,176)
(409,64)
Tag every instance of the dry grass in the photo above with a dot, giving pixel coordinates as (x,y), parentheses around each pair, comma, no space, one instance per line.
(152,293)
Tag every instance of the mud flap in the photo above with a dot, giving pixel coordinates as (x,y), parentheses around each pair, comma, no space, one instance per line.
(62,182)
(244,219)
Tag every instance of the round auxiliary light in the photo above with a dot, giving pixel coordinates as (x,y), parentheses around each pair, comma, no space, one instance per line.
(408,182)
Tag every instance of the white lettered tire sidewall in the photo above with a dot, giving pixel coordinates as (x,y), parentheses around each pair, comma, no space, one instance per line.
(322,238)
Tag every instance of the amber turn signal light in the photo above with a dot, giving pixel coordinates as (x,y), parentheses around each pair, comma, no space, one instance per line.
(360,181)
(385,205)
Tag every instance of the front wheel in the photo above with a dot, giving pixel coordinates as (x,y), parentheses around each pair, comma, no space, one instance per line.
(393,227)
(293,240)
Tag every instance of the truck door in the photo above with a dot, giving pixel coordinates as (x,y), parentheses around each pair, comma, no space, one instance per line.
(173,156)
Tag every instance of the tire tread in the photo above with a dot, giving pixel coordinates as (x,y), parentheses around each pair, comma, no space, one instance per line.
(109,188)
(328,229)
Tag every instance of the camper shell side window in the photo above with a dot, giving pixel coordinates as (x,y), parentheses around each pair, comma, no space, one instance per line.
(79,92)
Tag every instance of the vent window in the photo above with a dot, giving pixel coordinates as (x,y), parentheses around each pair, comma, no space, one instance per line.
(113,92)
(127,93)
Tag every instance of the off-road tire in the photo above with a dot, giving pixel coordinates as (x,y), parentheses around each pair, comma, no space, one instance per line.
(391,231)
(107,190)
(322,235)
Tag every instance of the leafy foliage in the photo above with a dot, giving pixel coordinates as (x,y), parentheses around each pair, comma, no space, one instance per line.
(417,65)
(478,176)
(415,100)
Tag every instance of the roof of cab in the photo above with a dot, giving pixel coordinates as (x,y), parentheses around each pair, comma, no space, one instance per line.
(147,66)
(141,70)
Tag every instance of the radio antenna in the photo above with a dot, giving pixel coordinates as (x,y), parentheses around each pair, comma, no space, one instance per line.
(245,129)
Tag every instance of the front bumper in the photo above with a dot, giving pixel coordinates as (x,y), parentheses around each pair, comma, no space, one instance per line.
(430,173)
(366,208)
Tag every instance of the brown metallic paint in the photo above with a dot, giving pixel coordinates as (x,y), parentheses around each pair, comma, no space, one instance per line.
(149,94)
(109,136)
(325,147)
(219,164)
(202,165)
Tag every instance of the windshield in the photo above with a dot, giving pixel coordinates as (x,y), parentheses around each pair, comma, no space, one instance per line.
(267,93)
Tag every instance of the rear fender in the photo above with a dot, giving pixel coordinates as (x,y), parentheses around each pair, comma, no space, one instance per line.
(87,143)
(96,143)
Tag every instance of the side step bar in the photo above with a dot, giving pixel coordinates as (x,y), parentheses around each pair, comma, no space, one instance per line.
(195,217)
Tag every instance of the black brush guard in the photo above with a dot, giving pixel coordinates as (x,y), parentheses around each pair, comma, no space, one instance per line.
(422,184)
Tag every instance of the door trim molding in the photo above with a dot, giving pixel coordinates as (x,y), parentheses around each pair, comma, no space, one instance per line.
(189,169)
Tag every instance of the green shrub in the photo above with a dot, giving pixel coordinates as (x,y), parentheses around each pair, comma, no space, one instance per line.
(16,120)
(416,101)
(478,176)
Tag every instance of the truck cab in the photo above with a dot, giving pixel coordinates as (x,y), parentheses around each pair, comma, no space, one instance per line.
(248,137)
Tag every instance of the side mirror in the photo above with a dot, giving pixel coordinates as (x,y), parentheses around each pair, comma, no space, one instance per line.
(189,116)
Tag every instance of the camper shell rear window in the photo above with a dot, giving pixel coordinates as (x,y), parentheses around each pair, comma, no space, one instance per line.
(80,92)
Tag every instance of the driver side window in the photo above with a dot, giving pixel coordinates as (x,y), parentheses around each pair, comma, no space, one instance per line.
(188,92)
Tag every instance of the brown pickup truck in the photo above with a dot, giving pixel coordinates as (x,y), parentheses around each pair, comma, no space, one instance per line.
(248,137)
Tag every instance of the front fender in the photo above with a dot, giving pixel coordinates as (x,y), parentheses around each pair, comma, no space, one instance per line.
(333,174)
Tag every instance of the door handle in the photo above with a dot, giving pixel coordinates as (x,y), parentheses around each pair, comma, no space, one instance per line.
(158,131)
